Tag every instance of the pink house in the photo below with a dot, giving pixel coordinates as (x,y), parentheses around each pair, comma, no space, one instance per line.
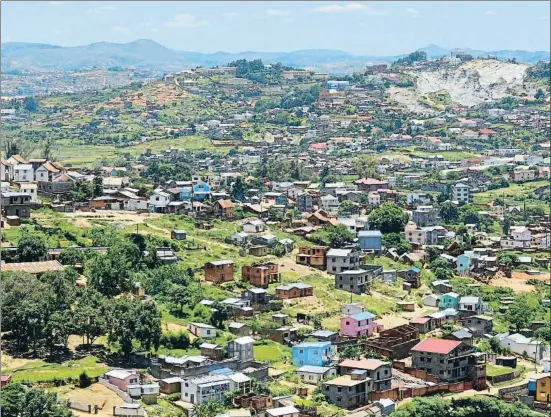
(122,378)
(359,324)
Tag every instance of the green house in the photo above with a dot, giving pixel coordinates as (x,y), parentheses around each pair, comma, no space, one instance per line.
(449,300)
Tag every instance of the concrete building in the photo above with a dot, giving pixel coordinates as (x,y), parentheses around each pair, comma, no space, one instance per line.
(312,353)
(241,348)
(353,280)
(425,216)
(349,391)
(380,372)
(340,260)
(314,374)
(461,193)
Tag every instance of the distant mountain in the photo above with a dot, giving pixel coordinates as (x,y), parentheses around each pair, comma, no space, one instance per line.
(529,57)
(147,54)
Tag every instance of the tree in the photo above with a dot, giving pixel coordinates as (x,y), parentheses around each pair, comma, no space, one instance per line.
(18,400)
(89,316)
(348,208)
(443,273)
(31,247)
(351,352)
(468,214)
(30,104)
(540,94)
(449,212)
(521,313)
(507,258)
(238,189)
(209,408)
(60,326)
(388,218)
(334,236)
(506,225)
(72,256)
(396,241)
(12,144)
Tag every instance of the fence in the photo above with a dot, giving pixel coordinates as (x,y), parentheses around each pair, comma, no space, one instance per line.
(512,393)
(397,394)
(415,372)
(121,411)
(496,379)
(116,390)
(87,408)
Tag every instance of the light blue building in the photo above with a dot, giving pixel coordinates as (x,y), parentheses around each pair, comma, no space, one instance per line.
(312,353)
(337,85)
(201,191)
(464,262)
(185,193)
(370,240)
(449,300)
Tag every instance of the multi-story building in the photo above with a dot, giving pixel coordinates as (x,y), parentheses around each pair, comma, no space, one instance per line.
(242,348)
(199,390)
(340,260)
(356,325)
(329,203)
(371,184)
(425,216)
(304,203)
(519,237)
(449,360)
(219,271)
(260,275)
(353,280)
(380,372)
(349,391)
(313,353)
(16,204)
(461,193)
(314,256)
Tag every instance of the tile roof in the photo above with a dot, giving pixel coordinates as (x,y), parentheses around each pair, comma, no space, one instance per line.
(440,346)
(365,364)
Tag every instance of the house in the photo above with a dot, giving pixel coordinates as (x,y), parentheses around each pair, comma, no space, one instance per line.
(461,193)
(219,271)
(314,374)
(259,250)
(471,305)
(201,191)
(358,325)
(449,300)
(254,226)
(521,345)
(353,280)
(170,385)
(224,209)
(295,290)
(461,335)
(312,353)
(431,300)
(241,348)
(370,240)
(287,411)
(442,286)
(4,380)
(324,335)
(413,277)
(211,350)
(340,260)
(239,238)
(46,172)
(23,173)
(304,203)
(280,318)
(348,391)
(329,203)
(159,201)
(6,171)
(30,189)
(386,405)
(464,263)
(264,240)
(519,237)
(352,308)
(423,324)
(122,378)
(371,184)
(16,204)
(425,216)
(543,388)
(446,359)
(417,198)
(380,372)
(314,256)
(178,234)
(166,255)
(199,390)
(204,331)
(239,329)
(260,275)
(374,198)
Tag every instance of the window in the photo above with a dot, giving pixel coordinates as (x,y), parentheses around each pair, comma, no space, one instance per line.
(429,370)
(315,352)
(347,323)
(422,359)
(441,372)
(208,331)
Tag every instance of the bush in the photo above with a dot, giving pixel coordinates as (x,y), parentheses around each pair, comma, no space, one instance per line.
(84,380)
(173,340)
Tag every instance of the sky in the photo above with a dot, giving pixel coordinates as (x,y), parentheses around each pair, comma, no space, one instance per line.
(363,28)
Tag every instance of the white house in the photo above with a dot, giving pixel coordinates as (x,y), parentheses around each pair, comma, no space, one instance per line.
(519,237)
(287,411)
(417,199)
(199,390)
(6,170)
(349,309)
(461,193)
(31,189)
(471,304)
(23,173)
(431,300)
(329,203)
(159,200)
(241,348)
(314,374)
(522,345)
(254,226)
(205,331)
(374,198)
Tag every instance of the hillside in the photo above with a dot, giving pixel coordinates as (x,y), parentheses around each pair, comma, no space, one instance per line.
(150,55)
(468,84)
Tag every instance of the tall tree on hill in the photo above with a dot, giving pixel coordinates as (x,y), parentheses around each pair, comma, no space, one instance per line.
(388,218)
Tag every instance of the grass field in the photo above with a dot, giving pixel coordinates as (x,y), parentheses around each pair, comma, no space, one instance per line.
(515,195)
(40,371)
(273,353)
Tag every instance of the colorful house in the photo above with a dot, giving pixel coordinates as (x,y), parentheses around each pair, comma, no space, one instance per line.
(312,353)
(201,191)
(464,263)
(358,324)
(449,300)
(543,388)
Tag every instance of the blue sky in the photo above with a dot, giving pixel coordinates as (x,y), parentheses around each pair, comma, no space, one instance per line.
(369,28)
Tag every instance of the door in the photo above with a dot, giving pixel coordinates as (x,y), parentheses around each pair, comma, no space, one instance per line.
(192,398)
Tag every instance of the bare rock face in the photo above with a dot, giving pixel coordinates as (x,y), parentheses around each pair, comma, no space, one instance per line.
(468,84)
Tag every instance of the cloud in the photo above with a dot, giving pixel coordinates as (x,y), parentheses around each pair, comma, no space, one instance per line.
(120,29)
(103,9)
(350,7)
(278,12)
(186,20)
(55,3)
(413,13)
(490,12)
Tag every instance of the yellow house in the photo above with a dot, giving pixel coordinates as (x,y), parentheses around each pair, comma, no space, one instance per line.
(543,388)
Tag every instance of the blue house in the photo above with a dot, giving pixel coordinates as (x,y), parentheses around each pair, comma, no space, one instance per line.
(201,191)
(186,193)
(464,263)
(281,200)
(449,300)
(370,240)
(312,353)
